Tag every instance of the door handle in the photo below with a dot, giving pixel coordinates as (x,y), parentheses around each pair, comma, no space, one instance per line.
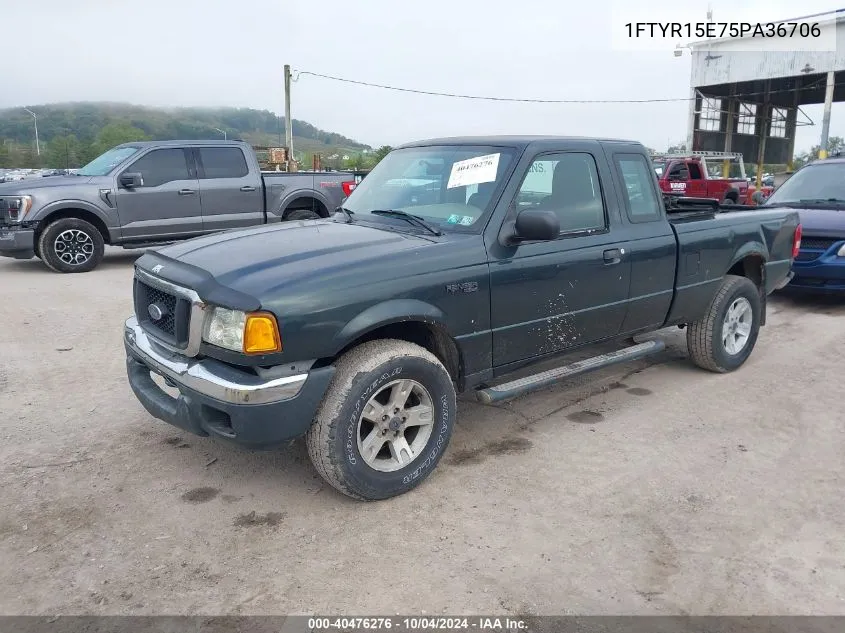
(247,188)
(613,255)
(186,192)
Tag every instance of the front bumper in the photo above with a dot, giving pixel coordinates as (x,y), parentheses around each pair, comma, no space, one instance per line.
(825,274)
(220,400)
(17,242)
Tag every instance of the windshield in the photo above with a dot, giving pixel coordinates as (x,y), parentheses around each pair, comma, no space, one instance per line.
(450,187)
(659,167)
(104,163)
(820,181)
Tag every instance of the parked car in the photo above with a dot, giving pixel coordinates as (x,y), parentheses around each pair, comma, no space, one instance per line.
(817,192)
(455,262)
(140,194)
(693,175)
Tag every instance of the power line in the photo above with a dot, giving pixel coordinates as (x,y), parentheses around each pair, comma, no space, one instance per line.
(530,100)
(480,97)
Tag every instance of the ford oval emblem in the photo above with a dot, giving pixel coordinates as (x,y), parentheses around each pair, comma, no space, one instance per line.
(155,312)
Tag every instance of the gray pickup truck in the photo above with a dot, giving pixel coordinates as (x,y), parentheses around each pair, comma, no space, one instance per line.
(142,194)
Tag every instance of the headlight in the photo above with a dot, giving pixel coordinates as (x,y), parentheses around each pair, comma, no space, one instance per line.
(841,251)
(18,207)
(247,332)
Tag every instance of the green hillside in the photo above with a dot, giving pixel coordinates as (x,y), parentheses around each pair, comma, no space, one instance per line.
(70,134)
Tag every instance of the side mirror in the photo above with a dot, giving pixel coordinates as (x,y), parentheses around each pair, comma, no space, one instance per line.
(537,225)
(131,180)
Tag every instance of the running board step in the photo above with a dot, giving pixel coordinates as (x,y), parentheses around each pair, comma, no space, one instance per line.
(521,386)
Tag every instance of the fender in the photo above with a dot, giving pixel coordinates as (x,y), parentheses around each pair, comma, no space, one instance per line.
(755,248)
(112,227)
(298,194)
(61,205)
(385,313)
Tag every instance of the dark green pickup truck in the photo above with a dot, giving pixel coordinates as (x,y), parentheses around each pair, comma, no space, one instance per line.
(454,263)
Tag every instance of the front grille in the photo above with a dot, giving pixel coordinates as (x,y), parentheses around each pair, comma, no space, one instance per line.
(174,323)
(807,256)
(818,243)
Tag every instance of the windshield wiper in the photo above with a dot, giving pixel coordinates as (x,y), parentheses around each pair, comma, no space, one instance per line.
(347,213)
(822,201)
(413,219)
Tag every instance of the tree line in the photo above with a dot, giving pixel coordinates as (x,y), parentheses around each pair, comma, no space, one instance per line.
(71,134)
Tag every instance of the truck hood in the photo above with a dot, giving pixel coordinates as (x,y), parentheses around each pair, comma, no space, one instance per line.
(261,260)
(822,221)
(25,186)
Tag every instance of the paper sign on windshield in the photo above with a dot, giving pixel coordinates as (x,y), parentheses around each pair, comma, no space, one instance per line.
(474,171)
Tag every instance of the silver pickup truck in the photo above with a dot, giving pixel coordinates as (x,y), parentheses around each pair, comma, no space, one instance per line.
(146,193)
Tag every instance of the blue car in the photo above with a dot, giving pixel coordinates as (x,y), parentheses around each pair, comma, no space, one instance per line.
(817,192)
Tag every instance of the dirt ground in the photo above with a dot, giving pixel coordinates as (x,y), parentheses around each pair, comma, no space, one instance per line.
(650,488)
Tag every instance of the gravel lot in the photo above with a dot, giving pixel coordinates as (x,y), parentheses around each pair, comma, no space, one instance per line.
(653,487)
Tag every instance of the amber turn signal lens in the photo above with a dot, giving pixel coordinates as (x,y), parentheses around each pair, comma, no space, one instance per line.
(261,334)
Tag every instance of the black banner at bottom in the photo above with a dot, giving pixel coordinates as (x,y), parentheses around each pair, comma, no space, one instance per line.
(422,624)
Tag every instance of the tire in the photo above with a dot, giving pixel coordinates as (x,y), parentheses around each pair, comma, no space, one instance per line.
(706,339)
(302,214)
(83,240)
(365,378)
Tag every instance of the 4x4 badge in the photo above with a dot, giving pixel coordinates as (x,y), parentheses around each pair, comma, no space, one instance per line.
(158,268)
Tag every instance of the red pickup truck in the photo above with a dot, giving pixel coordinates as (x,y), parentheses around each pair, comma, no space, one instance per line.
(691,176)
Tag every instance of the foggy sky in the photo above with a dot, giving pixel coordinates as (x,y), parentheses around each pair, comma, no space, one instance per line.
(231,53)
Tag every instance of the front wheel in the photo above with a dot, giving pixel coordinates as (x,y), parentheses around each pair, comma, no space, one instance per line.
(385,421)
(71,245)
(301,214)
(722,341)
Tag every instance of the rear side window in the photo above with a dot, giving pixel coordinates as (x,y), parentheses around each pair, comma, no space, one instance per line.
(638,180)
(161,166)
(694,171)
(223,162)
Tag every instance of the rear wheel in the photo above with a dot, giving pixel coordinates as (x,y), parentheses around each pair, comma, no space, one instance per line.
(385,421)
(71,245)
(723,340)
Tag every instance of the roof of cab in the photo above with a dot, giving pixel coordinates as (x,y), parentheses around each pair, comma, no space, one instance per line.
(179,143)
(516,141)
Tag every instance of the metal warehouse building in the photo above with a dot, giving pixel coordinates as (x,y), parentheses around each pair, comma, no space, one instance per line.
(747,98)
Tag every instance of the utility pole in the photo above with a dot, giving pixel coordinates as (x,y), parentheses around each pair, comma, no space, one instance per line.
(288,121)
(828,103)
(35,117)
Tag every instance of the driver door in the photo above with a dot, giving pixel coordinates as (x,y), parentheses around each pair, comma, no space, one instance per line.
(167,204)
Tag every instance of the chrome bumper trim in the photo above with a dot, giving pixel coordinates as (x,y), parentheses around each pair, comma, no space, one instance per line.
(209,377)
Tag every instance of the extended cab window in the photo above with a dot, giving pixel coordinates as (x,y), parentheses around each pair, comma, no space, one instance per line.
(641,200)
(223,162)
(161,166)
(567,184)
(694,171)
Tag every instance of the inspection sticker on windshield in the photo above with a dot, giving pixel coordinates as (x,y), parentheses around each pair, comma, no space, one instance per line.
(474,171)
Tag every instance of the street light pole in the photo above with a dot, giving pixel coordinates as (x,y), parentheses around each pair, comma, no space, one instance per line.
(35,117)
(223,132)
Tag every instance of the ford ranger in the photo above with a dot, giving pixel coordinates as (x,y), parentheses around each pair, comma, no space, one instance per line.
(454,263)
(139,194)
